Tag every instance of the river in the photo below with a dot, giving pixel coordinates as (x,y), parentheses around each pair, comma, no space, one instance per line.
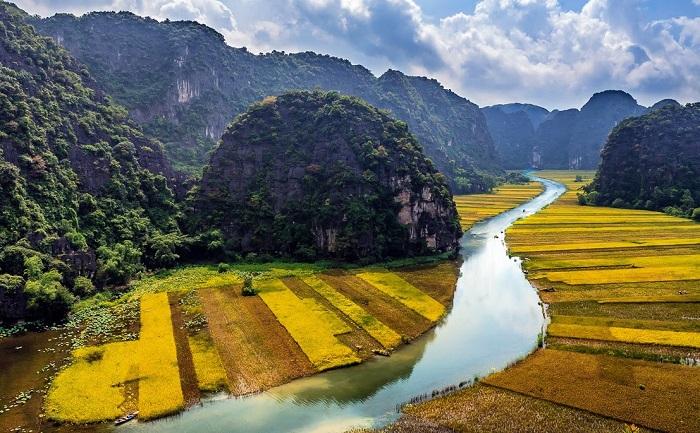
(495,320)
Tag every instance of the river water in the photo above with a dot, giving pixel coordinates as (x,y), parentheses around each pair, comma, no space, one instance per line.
(495,320)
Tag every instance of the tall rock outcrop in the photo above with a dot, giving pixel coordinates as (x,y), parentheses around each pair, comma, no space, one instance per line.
(652,162)
(313,174)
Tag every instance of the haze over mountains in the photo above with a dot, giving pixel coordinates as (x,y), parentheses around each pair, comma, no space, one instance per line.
(530,136)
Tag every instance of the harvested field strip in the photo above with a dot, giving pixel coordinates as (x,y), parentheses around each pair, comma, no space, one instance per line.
(610,386)
(626,335)
(211,376)
(92,388)
(668,325)
(255,350)
(487,409)
(600,292)
(624,275)
(518,249)
(398,288)
(314,335)
(386,309)
(650,299)
(160,392)
(437,281)
(379,331)
(188,376)
(643,261)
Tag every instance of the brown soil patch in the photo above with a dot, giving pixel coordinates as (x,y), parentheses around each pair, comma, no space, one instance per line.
(257,352)
(438,281)
(387,310)
(188,376)
(655,395)
(358,339)
(485,409)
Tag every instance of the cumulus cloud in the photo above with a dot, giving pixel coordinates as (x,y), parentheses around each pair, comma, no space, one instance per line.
(502,50)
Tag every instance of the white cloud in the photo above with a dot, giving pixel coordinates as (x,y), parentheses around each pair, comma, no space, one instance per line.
(504,50)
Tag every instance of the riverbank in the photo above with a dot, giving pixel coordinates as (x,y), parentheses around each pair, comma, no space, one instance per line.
(621,288)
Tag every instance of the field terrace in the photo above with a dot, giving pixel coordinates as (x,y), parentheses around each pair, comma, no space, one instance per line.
(473,208)
(196,334)
(623,292)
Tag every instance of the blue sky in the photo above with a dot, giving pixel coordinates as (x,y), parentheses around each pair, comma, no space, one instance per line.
(554,53)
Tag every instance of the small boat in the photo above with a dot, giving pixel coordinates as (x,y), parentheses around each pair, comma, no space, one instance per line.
(126,418)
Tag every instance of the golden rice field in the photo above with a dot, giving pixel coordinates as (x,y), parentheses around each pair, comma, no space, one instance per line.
(476,207)
(619,276)
(198,333)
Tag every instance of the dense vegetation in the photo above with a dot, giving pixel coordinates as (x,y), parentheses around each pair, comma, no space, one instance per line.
(85,196)
(184,84)
(529,136)
(652,162)
(314,174)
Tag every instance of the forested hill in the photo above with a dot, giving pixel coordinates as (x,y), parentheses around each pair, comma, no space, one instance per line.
(319,175)
(79,183)
(184,84)
(529,136)
(652,162)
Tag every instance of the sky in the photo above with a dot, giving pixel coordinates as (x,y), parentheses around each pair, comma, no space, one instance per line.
(554,53)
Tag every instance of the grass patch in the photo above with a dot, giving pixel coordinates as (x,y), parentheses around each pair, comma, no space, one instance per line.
(313,334)
(407,294)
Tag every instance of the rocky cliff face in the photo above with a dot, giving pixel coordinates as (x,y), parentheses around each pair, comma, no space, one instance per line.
(184,84)
(313,174)
(526,135)
(652,162)
(595,121)
(513,133)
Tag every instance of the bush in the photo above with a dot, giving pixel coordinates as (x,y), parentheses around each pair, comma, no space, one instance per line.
(118,264)
(46,297)
(618,202)
(248,289)
(82,286)
(223,268)
(696,214)
(578,178)
(582,199)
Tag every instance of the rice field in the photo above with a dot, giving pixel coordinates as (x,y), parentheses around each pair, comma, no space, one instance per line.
(612,278)
(103,382)
(476,207)
(197,332)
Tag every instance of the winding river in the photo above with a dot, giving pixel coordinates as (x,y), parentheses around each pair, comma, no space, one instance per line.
(495,320)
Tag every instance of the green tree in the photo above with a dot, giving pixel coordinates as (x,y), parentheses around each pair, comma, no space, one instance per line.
(118,264)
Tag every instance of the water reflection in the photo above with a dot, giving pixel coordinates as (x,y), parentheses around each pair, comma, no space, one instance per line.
(495,320)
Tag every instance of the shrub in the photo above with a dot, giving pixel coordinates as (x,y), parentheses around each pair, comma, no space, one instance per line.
(696,214)
(618,202)
(46,296)
(223,268)
(82,286)
(248,289)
